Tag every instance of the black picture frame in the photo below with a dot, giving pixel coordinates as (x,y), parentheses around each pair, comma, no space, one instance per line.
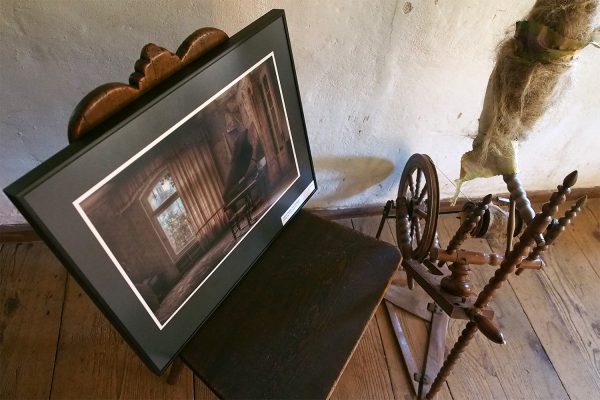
(101,203)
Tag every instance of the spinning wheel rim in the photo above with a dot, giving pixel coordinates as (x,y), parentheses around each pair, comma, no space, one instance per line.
(422,204)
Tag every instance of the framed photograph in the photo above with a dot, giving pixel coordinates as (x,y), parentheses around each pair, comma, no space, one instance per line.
(160,216)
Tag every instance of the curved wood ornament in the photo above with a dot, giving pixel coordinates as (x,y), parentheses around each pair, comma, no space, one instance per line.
(154,66)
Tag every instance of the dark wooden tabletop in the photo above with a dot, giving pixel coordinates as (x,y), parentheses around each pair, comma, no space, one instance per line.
(290,326)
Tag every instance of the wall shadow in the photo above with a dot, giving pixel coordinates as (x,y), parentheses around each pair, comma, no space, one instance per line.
(344,177)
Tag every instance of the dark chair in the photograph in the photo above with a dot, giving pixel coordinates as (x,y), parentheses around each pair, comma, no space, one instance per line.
(289,327)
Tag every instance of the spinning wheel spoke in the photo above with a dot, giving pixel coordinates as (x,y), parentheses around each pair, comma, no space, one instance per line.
(422,194)
(419,191)
(417,226)
(418,185)
(411,187)
(422,214)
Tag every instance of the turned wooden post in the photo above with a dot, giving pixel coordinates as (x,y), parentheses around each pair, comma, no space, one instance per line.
(536,227)
(460,345)
(518,194)
(404,236)
(469,224)
(554,231)
(458,283)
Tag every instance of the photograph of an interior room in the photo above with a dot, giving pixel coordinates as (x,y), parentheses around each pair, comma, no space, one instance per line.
(379,81)
(187,201)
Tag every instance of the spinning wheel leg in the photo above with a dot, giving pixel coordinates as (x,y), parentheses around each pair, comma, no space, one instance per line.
(417,207)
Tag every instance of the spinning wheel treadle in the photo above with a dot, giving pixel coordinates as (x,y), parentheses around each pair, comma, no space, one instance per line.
(419,191)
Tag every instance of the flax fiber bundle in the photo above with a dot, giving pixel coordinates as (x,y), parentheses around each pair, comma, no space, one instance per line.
(528,68)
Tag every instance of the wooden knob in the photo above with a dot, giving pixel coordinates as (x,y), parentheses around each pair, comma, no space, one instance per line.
(570,179)
(489,328)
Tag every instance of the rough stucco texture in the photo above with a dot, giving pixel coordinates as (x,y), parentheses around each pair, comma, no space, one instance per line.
(379,80)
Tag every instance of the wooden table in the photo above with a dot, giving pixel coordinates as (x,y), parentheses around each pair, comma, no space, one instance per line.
(290,326)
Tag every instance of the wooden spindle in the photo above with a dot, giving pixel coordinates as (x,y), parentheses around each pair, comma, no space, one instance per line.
(404,235)
(458,282)
(460,345)
(518,194)
(468,225)
(555,230)
(510,226)
(479,258)
(536,227)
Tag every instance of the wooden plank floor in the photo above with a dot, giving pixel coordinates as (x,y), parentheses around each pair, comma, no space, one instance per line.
(551,320)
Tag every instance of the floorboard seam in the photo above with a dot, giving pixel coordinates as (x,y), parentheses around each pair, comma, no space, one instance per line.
(538,337)
(385,353)
(62,313)
(491,248)
(582,250)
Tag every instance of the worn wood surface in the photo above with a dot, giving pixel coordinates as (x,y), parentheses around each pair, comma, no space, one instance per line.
(549,318)
(94,362)
(155,65)
(32,286)
(293,339)
(367,375)
(367,364)
(561,302)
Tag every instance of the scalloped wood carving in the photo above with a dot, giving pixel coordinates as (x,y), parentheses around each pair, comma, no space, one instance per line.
(155,65)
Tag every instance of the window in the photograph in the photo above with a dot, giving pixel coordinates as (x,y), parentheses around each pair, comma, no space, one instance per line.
(272,113)
(170,213)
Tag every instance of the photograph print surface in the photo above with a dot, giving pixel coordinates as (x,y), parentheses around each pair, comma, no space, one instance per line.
(170,215)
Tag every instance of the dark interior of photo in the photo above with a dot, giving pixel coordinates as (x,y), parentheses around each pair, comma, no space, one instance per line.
(172,215)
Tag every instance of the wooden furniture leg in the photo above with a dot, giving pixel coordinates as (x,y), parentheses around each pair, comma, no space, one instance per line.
(460,345)
(554,231)
(423,308)
(521,249)
(175,371)
(409,360)
(438,331)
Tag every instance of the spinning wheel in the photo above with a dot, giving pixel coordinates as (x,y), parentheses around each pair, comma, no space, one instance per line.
(418,199)
(443,273)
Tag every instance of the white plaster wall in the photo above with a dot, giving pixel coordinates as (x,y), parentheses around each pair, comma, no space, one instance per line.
(379,81)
